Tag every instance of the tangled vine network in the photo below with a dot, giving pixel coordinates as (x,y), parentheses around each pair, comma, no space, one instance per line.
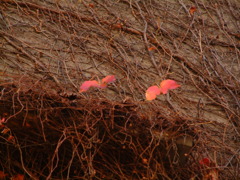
(50,128)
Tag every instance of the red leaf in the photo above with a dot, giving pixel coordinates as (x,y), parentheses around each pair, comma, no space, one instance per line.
(205,161)
(106,80)
(168,84)
(192,10)
(118,26)
(152,92)
(2,120)
(87,84)
(152,48)
(5,130)
(10,138)
(27,125)
(18,177)
(91,5)
(2,175)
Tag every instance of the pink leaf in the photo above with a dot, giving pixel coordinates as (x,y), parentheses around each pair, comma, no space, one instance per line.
(152,92)
(168,84)
(2,120)
(106,80)
(109,79)
(87,84)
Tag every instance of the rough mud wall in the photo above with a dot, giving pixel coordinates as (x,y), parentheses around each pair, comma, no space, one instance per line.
(48,48)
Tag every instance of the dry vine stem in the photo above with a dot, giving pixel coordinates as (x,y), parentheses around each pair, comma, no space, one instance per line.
(49,48)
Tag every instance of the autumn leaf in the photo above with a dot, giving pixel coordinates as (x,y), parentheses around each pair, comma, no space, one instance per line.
(2,120)
(2,175)
(118,25)
(91,5)
(152,48)
(27,125)
(212,174)
(152,92)
(192,10)
(168,84)
(106,80)
(18,177)
(205,161)
(165,85)
(10,138)
(109,79)
(145,161)
(87,84)
(5,130)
